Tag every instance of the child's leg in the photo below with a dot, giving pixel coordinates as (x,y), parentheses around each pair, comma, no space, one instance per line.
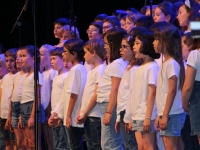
(149,140)
(138,136)
(25,140)
(170,142)
(48,136)
(30,134)
(92,129)
(8,145)
(20,139)
(74,138)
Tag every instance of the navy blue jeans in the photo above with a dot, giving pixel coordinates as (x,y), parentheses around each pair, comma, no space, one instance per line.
(74,138)
(59,137)
(190,142)
(128,138)
(92,128)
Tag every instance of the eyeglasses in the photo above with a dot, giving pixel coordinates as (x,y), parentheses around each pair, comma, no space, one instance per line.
(88,31)
(124,46)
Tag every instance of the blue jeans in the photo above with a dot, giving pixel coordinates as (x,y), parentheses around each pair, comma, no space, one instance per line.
(190,142)
(59,137)
(110,140)
(2,144)
(92,128)
(194,109)
(74,138)
(128,138)
(25,112)
(15,113)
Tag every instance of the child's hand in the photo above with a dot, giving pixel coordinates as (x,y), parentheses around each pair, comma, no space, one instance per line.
(7,126)
(51,122)
(106,119)
(117,127)
(128,126)
(31,123)
(163,122)
(81,119)
(69,122)
(20,126)
(147,125)
(156,124)
(186,107)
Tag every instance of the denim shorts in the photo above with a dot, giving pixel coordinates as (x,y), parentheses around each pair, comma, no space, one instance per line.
(137,125)
(15,113)
(6,135)
(41,115)
(195,109)
(174,125)
(25,112)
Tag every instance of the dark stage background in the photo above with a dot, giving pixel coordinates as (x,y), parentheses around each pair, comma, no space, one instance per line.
(49,10)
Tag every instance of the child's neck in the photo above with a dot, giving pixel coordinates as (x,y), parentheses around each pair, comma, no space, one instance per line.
(166,56)
(47,67)
(76,62)
(62,70)
(147,60)
(13,72)
(23,71)
(97,62)
(30,69)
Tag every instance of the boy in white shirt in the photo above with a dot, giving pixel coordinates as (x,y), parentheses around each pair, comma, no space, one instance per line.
(72,93)
(5,97)
(48,75)
(59,136)
(90,113)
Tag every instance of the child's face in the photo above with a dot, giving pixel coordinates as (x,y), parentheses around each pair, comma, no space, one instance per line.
(3,69)
(66,35)
(88,56)
(157,46)
(11,63)
(107,26)
(93,32)
(185,49)
(57,30)
(56,62)
(44,57)
(26,59)
(67,65)
(107,48)
(129,25)
(18,60)
(67,56)
(183,16)
(123,24)
(125,51)
(160,16)
(136,48)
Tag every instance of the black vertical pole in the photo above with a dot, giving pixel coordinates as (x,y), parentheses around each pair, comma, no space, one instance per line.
(36,79)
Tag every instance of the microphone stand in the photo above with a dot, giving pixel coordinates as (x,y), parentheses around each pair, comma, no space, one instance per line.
(36,79)
(18,23)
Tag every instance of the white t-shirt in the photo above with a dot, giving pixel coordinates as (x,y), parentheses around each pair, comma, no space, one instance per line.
(17,87)
(143,76)
(57,88)
(124,92)
(75,84)
(7,87)
(28,94)
(114,69)
(194,61)
(167,70)
(160,60)
(46,88)
(93,78)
